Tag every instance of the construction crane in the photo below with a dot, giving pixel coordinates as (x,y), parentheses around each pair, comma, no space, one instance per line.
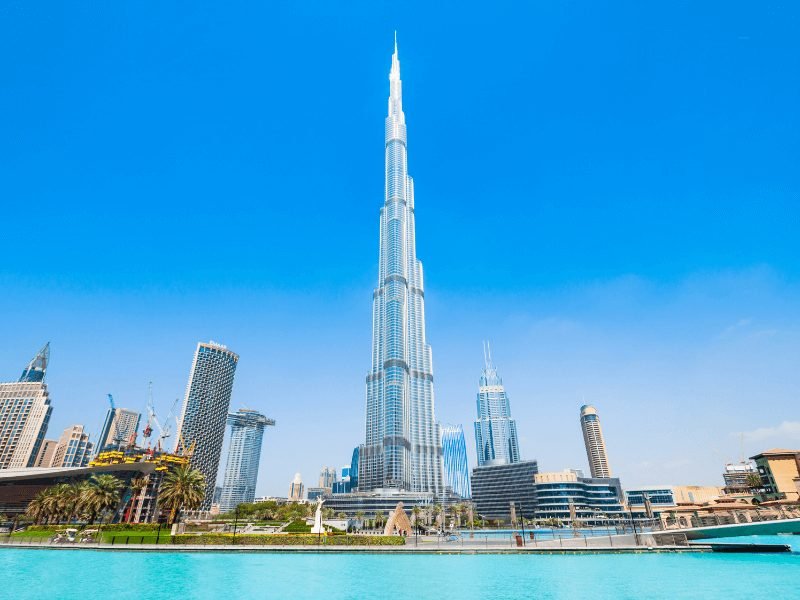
(164,431)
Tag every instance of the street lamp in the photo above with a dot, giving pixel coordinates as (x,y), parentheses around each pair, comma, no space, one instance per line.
(235,523)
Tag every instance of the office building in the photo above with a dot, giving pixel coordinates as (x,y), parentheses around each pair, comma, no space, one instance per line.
(24,414)
(567,496)
(327,477)
(313,493)
(344,485)
(73,449)
(454,454)
(201,428)
(496,487)
(495,431)
(296,488)
(595,444)
(780,474)
(120,429)
(402,447)
(244,453)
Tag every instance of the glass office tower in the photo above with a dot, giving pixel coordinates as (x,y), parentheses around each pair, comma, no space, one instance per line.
(244,454)
(454,450)
(495,431)
(403,447)
(205,410)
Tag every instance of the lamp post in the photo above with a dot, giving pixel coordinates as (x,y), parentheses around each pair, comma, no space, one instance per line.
(522,519)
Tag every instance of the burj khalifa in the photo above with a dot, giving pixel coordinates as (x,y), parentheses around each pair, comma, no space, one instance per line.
(403,447)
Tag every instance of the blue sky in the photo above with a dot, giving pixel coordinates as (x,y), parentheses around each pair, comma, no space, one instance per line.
(607,191)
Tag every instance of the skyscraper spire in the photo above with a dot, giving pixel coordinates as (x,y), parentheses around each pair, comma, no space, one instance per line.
(403,445)
(37,368)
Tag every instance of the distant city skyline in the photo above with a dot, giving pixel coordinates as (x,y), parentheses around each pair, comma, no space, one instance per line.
(605,197)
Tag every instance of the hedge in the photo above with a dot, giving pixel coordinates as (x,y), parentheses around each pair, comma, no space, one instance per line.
(133,527)
(298,527)
(289,540)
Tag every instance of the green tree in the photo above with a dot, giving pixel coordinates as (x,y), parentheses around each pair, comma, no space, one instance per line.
(37,508)
(379,518)
(360,518)
(416,511)
(100,494)
(753,481)
(182,488)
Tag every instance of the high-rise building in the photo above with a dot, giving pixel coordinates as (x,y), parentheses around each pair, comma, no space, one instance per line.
(205,411)
(73,449)
(296,488)
(454,452)
(45,456)
(495,431)
(327,477)
(119,429)
(244,454)
(595,444)
(402,449)
(24,414)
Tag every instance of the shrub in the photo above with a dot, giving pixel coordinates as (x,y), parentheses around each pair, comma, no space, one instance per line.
(132,527)
(298,527)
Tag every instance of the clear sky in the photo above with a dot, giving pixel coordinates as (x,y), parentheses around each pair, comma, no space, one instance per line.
(607,191)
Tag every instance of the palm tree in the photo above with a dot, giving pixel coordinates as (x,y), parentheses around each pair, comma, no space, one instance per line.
(183,487)
(37,509)
(101,493)
(378,518)
(360,518)
(437,512)
(51,503)
(753,481)
(416,511)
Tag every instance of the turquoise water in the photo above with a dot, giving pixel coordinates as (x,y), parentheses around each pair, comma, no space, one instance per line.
(148,575)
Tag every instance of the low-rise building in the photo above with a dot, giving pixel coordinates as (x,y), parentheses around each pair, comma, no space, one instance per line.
(668,496)
(780,473)
(495,487)
(737,477)
(567,497)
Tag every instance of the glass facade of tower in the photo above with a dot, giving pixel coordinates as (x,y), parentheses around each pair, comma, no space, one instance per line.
(205,411)
(402,448)
(495,431)
(244,454)
(454,450)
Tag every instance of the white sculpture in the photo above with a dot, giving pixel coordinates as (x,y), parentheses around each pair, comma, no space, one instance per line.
(318,528)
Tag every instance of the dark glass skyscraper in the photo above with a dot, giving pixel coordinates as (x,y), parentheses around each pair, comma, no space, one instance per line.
(205,410)
(402,448)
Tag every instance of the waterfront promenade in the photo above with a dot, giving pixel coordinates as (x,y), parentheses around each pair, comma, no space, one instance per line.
(420,545)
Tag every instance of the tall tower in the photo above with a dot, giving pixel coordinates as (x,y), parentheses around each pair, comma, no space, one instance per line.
(120,429)
(595,444)
(495,431)
(244,454)
(456,467)
(402,447)
(205,410)
(24,414)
